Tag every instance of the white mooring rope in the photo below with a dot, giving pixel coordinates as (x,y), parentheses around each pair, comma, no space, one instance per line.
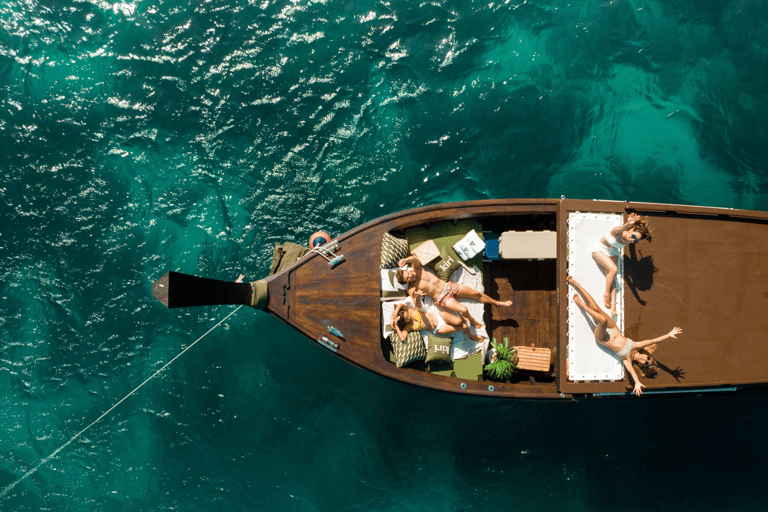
(51,456)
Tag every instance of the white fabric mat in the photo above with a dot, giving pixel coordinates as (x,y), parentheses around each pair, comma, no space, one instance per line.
(587,360)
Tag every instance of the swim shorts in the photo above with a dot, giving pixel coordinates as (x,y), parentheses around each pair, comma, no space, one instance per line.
(450,291)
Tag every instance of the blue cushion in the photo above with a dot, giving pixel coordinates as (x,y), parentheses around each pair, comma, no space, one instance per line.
(492,249)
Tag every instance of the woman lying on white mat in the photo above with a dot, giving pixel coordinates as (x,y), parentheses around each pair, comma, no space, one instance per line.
(609,247)
(608,335)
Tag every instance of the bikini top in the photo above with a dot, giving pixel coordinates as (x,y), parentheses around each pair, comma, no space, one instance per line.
(418,321)
(610,240)
(626,349)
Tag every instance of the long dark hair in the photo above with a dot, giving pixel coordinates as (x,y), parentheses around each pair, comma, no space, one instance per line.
(400,320)
(649,371)
(641,226)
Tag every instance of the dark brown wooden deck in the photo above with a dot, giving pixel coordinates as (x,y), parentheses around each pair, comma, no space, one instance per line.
(532,287)
(532,318)
(705,272)
(709,276)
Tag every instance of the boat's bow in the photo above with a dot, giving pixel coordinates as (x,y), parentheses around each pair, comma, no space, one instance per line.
(177,290)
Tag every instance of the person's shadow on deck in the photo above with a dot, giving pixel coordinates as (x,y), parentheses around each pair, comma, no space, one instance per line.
(638,272)
(638,275)
(677,374)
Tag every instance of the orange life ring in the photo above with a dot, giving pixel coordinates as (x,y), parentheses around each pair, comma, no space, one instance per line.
(319,238)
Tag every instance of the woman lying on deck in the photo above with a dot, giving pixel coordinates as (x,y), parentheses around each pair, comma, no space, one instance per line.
(608,335)
(608,249)
(405,318)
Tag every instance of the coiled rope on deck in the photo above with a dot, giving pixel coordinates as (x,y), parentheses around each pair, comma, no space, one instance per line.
(52,455)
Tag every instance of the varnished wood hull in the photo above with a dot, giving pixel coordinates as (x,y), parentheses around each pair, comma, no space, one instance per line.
(708,276)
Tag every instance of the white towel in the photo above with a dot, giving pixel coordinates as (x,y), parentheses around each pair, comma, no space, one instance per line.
(469,246)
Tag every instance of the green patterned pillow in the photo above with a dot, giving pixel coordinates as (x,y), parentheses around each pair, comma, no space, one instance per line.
(393,249)
(438,349)
(408,351)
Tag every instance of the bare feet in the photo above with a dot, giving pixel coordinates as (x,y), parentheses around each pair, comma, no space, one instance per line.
(468,319)
(475,337)
(607,301)
(576,298)
(505,303)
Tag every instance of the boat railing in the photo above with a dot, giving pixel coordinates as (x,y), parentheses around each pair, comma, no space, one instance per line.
(328,249)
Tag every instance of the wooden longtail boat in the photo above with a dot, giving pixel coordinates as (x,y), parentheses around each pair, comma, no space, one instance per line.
(705,271)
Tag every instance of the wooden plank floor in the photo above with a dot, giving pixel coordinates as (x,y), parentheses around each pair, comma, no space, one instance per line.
(531,285)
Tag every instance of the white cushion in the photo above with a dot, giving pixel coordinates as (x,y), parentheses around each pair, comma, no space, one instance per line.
(469,246)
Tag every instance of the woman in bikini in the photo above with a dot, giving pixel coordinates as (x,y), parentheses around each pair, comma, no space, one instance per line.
(608,335)
(405,318)
(609,247)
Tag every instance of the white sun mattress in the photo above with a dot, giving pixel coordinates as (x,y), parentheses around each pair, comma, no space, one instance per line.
(587,360)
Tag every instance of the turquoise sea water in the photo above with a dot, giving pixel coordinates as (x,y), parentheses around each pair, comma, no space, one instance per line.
(138,137)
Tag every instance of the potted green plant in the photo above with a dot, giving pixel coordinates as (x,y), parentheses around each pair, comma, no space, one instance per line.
(502,365)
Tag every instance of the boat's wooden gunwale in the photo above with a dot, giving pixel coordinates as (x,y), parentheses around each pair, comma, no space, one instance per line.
(442,212)
(461,210)
(597,205)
